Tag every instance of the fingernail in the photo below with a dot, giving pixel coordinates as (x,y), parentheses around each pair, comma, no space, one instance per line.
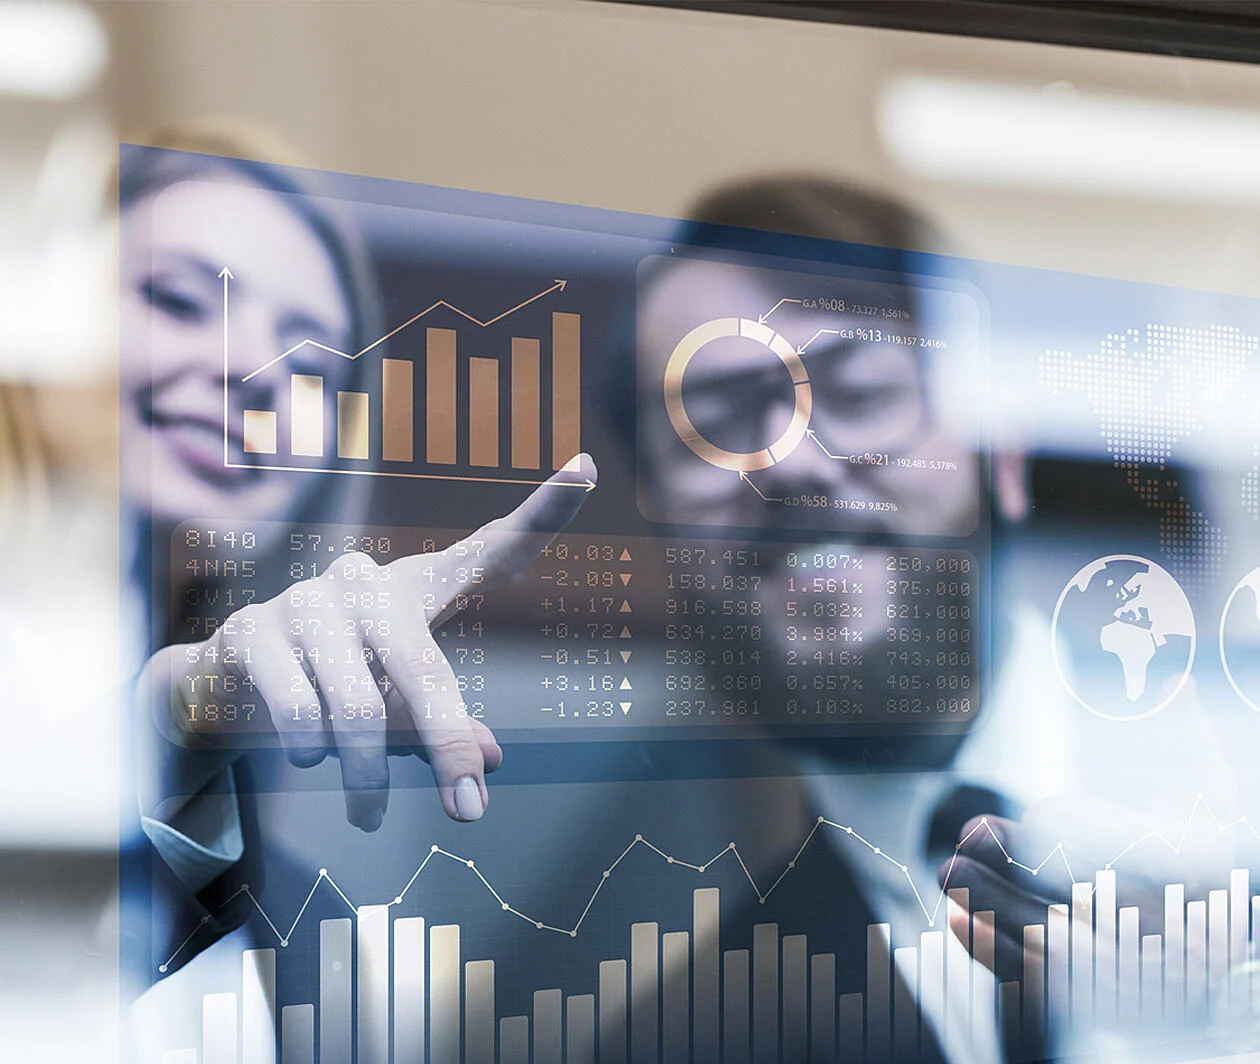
(468,799)
(574,464)
(372,819)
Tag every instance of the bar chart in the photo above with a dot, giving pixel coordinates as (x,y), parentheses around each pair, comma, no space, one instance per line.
(475,399)
(406,990)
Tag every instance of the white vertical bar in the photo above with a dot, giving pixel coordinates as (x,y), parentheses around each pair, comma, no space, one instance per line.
(878,991)
(479,1012)
(218,1029)
(675,997)
(1218,946)
(765,994)
(306,419)
(905,1003)
(1082,953)
(795,996)
(373,984)
(409,995)
(735,1025)
(297,1034)
(1105,946)
(1130,971)
(822,1008)
(931,980)
(335,1002)
(258,998)
(444,979)
(612,1012)
(645,977)
(1239,918)
(514,1040)
(579,1018)
(1058,984)
(1152,979)
(1034,973)
(1175,952)
(706,1008)
(958,961)
(1196,960)
(548,1027)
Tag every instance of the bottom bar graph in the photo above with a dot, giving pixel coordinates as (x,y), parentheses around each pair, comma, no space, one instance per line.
(403,991)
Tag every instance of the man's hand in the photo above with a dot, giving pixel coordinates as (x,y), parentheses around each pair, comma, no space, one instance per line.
(346,663)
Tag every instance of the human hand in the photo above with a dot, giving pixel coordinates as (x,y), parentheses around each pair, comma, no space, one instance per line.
(346,663)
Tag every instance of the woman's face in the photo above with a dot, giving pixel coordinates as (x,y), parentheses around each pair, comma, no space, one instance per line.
(175,242)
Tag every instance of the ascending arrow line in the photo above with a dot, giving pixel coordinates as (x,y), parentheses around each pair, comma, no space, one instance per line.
(744,477)
(821,332)
(761,319)
(814,436)
(586,485)
(558,286)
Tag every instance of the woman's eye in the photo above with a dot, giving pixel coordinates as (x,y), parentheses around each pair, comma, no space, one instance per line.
(171,300)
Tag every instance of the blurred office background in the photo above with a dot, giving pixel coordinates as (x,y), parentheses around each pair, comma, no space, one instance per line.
(1095,161)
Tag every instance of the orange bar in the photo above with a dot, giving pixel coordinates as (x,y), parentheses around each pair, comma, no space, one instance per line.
(440,397)
(483,412)
(306,399)
(397,410)
(352,425)
(566,388)
(260,432)
(526,401)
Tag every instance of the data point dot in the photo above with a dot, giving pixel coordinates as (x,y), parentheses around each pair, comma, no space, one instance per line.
(538,924)
(398,901)
(469,863)
(607,874)
(161,967)
(669,860)
(1010,860)
(573,934)
(433,848)
(505,906)
(205,920)
(323,871)
(905,868)
(878,851)
(820,819)
(284,942)
(791,864)
(638,838)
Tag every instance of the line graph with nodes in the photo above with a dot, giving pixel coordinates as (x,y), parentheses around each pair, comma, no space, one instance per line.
(1174,842)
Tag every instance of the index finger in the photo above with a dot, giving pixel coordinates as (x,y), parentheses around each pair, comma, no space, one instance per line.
(509,543)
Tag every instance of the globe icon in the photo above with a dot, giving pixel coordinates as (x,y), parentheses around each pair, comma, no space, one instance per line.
(1123,637)
(1240,639)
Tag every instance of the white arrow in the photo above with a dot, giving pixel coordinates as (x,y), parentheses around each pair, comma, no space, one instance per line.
(821,332)
(764,498)
(814,436)
(761,319)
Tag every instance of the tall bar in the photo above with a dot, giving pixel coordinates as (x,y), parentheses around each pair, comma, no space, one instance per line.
(579,1017)
(566,388)
(260,432)
(905,1002)
(1196,960)
(526,405)
(258,994)
(1239,935)
(1105,946)
(851,1010)
(1058,983)
(352,425)
(706,1010)
(1082,953)
(335,1003)
(306,415)
(514,1040)
(765,994)
(676,997)
(1175,952)
(1034,974)
(1128,1000)
(878,991)
(735,1026)
(548,1027)
(409,994)
(440,402)
(958,961)
(297,1034)
(1008,1020)
(479,1012)
(373,984)
(822,1008)
(398,415)
(931,980)
(1218,945)
(444,979)
(612,1012)
(218,1029)
(644,993)
(483,412)
(983,985)
(795,996)
(1152,979)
